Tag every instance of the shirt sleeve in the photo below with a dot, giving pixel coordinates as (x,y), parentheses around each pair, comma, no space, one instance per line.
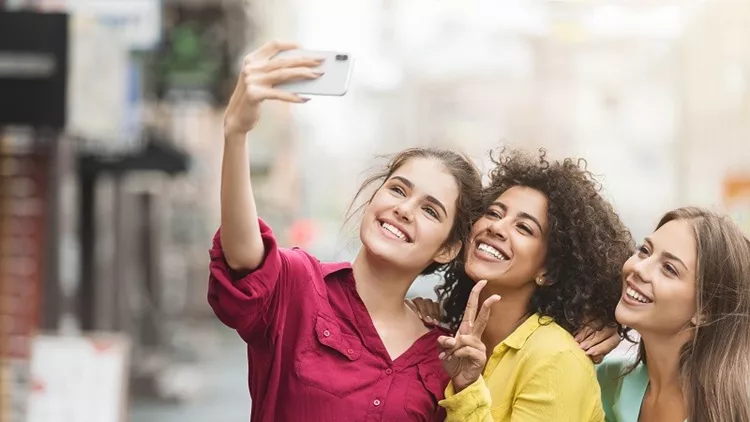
(251,302)
(562,390)
(472,404)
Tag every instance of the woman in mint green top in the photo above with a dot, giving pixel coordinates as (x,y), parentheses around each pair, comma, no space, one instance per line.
(687,293)
(622,395)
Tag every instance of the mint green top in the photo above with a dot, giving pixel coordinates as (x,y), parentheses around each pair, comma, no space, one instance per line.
(622,396)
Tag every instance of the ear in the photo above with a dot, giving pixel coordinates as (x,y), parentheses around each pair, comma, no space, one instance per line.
(448,253)
(698,319)
(541,279)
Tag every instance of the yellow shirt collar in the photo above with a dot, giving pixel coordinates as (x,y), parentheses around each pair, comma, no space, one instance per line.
(518,337)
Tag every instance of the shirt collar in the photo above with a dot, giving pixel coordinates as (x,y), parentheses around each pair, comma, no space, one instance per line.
(518,337)
(328,268)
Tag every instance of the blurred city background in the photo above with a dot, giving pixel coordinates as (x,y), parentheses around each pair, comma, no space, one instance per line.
(111,140)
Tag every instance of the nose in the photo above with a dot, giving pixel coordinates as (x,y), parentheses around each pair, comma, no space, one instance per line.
(498,228)
(404,211)
(642,269)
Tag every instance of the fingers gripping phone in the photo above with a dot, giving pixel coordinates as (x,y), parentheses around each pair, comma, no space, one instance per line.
(336,68)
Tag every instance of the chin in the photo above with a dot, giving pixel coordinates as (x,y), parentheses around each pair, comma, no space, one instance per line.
(624,316)
(373,245)
(381,248)
(480,270)
(474,275)
(380,251)
(475,271)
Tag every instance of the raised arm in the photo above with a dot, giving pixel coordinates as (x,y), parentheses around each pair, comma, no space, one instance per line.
(240,230)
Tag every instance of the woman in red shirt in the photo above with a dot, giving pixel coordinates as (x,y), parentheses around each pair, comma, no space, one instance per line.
(336,342)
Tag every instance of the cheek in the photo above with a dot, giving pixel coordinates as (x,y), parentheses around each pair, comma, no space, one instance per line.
(481,224)
(675,298)
(380,198)
(479,227)
(684,299)
(380,203)
(434,235)
(529,249)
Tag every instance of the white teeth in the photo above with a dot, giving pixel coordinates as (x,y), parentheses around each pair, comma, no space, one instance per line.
(491,250)
(636,296)
(395,231)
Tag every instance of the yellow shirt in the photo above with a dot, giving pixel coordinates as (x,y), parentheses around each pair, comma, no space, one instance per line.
(539,373)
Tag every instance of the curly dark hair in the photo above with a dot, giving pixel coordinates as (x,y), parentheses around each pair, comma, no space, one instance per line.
(587,243)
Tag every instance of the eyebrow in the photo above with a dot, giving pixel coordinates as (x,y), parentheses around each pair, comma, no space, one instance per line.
(429,198)
(666,254)
(521,214)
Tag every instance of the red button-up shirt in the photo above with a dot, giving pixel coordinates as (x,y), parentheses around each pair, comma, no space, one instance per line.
(313,351)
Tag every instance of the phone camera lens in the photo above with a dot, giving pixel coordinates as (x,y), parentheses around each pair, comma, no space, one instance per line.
(342,57)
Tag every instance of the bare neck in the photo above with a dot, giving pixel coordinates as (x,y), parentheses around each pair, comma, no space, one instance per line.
(381,286)
(505,316)
(663,357)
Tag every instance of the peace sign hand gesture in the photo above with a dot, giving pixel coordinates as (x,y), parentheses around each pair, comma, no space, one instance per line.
(464,355)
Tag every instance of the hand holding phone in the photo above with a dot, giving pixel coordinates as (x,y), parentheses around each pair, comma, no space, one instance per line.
(262,71)
(336,69)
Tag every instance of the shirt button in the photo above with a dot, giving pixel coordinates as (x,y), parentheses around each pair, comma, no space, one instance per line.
(376,402)
(326,333)
(388,371)
(350,351)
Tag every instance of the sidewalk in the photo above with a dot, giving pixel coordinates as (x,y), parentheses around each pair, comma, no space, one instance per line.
(218,383)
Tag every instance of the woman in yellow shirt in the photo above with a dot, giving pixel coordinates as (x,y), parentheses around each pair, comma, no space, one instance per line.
(552,248)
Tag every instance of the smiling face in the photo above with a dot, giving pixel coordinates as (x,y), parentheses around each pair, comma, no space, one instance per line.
(410,217)
(659,281)
(508,244)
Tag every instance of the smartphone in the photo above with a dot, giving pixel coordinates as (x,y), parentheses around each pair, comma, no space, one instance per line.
(336,68)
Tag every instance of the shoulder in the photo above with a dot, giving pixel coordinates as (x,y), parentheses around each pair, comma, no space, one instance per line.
(333,268)
(621,382)
(552,349)
(551,340)
(616,363)
(613,369)
(302,261)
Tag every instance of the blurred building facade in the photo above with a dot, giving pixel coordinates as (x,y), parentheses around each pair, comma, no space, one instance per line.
(625,85)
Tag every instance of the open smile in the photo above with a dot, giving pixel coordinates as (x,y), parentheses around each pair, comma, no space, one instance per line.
(392,230)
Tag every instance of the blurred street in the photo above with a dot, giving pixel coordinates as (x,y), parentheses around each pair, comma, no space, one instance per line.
(216,382)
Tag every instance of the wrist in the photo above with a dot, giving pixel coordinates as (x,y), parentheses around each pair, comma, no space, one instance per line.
(239,120)
(459,386)
(235,126)
(234,136)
